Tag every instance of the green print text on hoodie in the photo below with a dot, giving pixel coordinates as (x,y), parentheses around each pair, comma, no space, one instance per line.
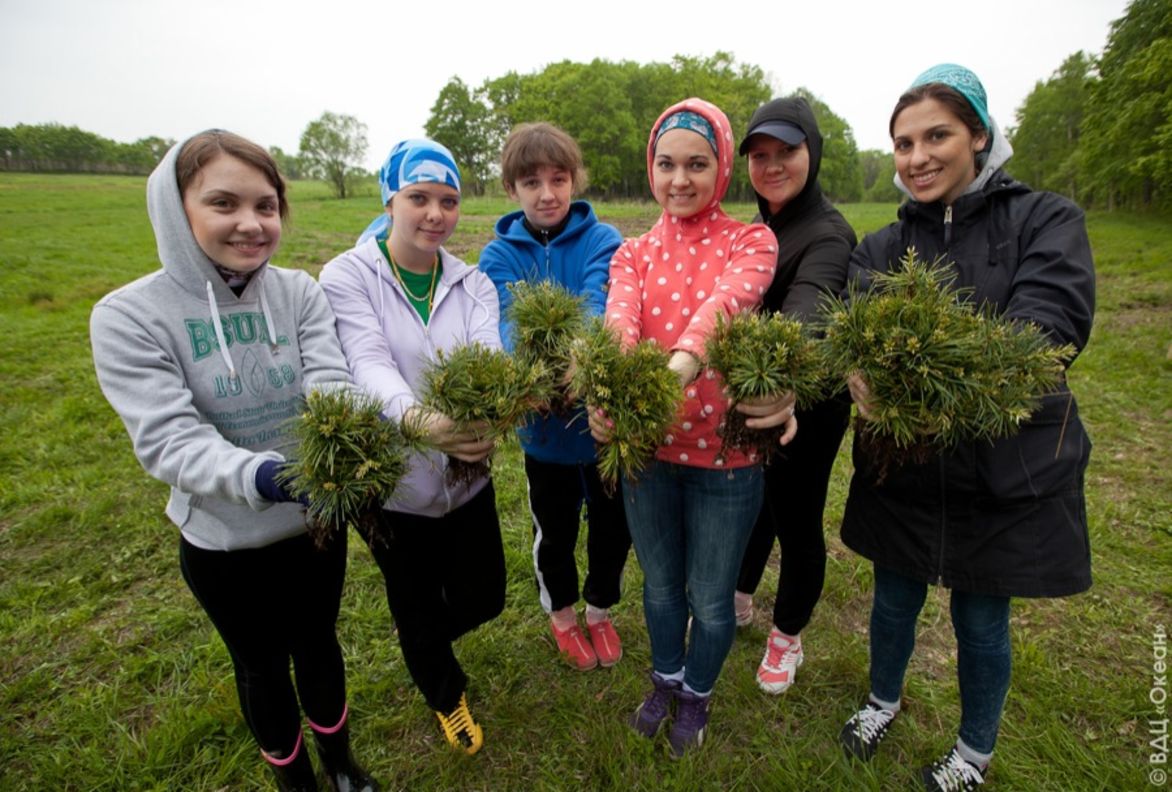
(205,405)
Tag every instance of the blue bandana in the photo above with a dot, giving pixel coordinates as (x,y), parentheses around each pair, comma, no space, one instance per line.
(411,162)
(961,80)
(686,119)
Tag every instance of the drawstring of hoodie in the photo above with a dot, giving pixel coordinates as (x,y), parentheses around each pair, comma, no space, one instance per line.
(268,315)
(221,339)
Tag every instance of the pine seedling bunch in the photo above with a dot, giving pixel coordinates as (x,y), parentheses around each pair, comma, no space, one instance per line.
(347,461)
(545,318)
(636,390)
(940,371)
(760,355)
(474,384)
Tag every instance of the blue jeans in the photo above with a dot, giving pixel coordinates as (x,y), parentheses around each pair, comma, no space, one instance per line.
(981,624)
(690,526)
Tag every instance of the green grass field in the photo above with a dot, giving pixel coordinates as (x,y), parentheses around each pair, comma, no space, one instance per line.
(112,678)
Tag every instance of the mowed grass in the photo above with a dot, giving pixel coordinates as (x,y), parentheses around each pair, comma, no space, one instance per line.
(112,678)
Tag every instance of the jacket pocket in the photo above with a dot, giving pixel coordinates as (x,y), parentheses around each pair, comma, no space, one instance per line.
(1047,456)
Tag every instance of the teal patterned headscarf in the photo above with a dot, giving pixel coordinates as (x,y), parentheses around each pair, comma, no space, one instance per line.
(693,122)
(998,149)
(961,80)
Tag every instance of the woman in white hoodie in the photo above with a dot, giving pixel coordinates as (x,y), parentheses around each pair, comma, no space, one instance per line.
(400,299)
(205,361)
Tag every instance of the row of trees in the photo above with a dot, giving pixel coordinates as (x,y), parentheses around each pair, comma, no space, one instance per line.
(1100,130)
(609,108)
(53,147)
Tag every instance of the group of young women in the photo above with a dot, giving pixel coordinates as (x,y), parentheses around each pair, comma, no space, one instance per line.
(207,358)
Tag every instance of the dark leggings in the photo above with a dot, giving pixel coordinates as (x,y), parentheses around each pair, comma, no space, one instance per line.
(795,499)
(445,576)
(556,495)
(272,604)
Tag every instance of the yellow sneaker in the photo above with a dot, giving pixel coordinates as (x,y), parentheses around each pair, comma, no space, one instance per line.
(462,732)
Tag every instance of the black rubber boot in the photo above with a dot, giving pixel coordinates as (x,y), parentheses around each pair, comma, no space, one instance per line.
(297,775)
(343,772)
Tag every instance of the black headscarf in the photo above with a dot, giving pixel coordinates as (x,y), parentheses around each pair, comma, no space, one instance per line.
(807,218)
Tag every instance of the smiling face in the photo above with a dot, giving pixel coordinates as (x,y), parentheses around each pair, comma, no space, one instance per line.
(234,213)
(683,172)
(423,216)
(544,195)
(777,169)
(935,152)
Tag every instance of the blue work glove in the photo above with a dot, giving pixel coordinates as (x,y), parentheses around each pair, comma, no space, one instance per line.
(268,486)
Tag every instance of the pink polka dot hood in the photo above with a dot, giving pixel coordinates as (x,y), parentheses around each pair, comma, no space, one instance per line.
(672,282)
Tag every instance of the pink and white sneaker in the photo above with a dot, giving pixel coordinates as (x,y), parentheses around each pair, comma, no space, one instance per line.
(783,655)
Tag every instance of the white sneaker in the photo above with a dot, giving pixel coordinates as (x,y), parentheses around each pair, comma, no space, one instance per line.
(783,655)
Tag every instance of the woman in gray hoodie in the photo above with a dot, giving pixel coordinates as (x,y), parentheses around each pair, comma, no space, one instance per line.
(205,361)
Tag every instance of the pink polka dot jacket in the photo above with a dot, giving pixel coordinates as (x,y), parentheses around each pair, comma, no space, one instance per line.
(672,282)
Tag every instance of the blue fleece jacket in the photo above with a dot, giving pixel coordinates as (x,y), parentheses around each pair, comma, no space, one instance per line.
(577,259)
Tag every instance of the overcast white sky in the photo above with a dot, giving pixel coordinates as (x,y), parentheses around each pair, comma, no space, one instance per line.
(127,69)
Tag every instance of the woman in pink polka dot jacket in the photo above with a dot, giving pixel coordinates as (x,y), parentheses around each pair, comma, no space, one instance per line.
(690,512)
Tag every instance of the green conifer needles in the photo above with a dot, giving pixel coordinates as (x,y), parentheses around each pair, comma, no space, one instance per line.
(636,390)
(940,371)
(475,385)
(762,355)
(545,318)
(347,462)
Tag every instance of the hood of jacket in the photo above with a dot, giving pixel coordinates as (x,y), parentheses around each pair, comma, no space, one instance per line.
(181,256)
(511,227)
(793,110)
(724,146)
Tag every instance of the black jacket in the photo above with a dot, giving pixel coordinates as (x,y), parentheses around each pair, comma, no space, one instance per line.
(814,240)
(1005,518)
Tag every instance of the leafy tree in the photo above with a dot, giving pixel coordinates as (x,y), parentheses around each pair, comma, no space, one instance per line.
(841,175)
(1049,123)
(609,108)
(290,165)
(463,122)
(878,171)
(1126,151)
(332,148)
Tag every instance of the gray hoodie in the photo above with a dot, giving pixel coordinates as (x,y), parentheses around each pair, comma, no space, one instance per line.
(203,390)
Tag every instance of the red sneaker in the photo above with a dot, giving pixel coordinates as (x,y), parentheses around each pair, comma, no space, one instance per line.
(574,648)
(606,642)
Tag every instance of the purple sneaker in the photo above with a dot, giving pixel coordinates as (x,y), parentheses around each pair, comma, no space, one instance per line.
(655,707)
(687,731)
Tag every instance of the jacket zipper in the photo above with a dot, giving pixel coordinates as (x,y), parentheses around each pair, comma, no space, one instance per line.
(947,226)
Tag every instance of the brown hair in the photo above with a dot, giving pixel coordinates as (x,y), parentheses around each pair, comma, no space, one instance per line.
(950,98)
(206,146)
(529,146)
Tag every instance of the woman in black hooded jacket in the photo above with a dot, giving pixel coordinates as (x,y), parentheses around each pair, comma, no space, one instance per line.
(784,148)
(989,520)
